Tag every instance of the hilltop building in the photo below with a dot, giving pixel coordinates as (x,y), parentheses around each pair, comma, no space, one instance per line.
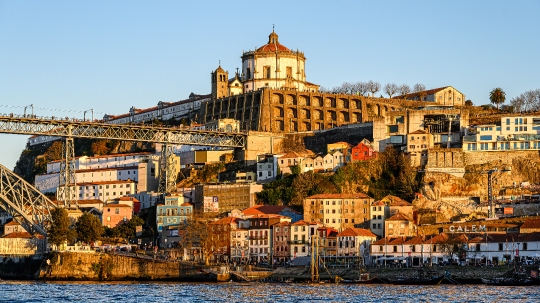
(446,95)
(513,133)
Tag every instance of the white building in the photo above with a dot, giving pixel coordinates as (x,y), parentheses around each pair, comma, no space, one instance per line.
(514,133)
(106,190)
(354,242)
(142,168)
(267,168)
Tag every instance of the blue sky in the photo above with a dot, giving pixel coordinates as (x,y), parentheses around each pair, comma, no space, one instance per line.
(69,56)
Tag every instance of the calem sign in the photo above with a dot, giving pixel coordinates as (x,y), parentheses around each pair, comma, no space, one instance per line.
(473,228)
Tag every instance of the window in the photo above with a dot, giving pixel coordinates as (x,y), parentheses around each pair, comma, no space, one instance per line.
(267,72)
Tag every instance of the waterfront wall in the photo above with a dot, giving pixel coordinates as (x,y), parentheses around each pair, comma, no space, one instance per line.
(103,267)
(21,246)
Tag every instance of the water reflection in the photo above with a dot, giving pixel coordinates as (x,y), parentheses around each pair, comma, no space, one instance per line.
(25,291)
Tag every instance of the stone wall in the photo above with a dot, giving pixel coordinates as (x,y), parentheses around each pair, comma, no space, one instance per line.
(457,158)
(19,246)
(94,267)
(505,158)
(445,158)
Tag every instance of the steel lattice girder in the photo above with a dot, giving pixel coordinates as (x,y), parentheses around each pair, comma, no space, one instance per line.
(24,203)
(76,129)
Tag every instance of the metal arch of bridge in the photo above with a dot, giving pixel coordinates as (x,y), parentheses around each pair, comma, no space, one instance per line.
(27,205)
(127,132)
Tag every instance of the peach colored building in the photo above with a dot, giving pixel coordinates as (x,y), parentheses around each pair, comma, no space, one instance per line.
(116,214)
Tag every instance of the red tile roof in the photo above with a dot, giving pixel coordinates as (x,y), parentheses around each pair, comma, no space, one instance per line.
(395,201)
(398,217)
(265,209)
(353,232)
(531,223)
(117,205)
(22,234)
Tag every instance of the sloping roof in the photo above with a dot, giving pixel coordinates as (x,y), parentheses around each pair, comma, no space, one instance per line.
(272,47)
(265,209)
(531,223)
(22,234)
(12,223)
(398,217)
(117,205)
(422,93)
(395,201)
(353,232)
(339,196)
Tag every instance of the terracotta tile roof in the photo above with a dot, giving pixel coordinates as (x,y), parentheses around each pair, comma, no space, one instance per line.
(22,234)
(339,196)
(186,204)
(415,240)
(328,231)
(12,223)
(301,222)
(395,201)
(398,240)
(398,217)
(353,232)
(117,205)
(266,216)
(531,223)
(266,209)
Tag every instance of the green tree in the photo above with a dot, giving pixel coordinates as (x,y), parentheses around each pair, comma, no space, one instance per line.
(127,230)
(296,169)
(468,103)
(60,230)
(89,228)
(497,96)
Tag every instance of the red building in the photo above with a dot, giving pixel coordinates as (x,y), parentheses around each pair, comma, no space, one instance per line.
(362,151)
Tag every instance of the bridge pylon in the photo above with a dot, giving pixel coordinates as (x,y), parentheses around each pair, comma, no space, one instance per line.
(67,185)
(167,170)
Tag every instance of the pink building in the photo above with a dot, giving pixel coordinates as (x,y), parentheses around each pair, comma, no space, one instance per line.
(115,214)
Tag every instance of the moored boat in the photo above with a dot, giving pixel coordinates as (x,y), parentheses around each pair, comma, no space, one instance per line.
(515,279)
(363,279)
(416,280)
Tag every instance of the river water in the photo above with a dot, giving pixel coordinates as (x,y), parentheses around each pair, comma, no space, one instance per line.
(32,291)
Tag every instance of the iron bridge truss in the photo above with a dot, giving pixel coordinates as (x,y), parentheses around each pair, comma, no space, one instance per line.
(26,204)
(126,132)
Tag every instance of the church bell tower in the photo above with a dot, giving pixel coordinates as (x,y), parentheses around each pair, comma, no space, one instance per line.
(220,82)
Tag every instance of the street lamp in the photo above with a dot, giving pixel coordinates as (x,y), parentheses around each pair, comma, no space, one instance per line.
(32,106)
(88,110)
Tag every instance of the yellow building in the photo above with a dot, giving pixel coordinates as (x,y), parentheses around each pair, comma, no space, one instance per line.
(418,143)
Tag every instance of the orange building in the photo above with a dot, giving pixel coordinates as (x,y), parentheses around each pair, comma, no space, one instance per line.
(115,214)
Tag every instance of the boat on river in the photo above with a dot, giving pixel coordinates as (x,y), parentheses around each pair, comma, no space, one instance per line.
(515,279)
(416,280)
(363,279)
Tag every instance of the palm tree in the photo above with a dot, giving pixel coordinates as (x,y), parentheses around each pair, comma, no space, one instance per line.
(497,96)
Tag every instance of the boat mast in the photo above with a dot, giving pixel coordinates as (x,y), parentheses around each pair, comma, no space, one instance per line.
(314,258)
